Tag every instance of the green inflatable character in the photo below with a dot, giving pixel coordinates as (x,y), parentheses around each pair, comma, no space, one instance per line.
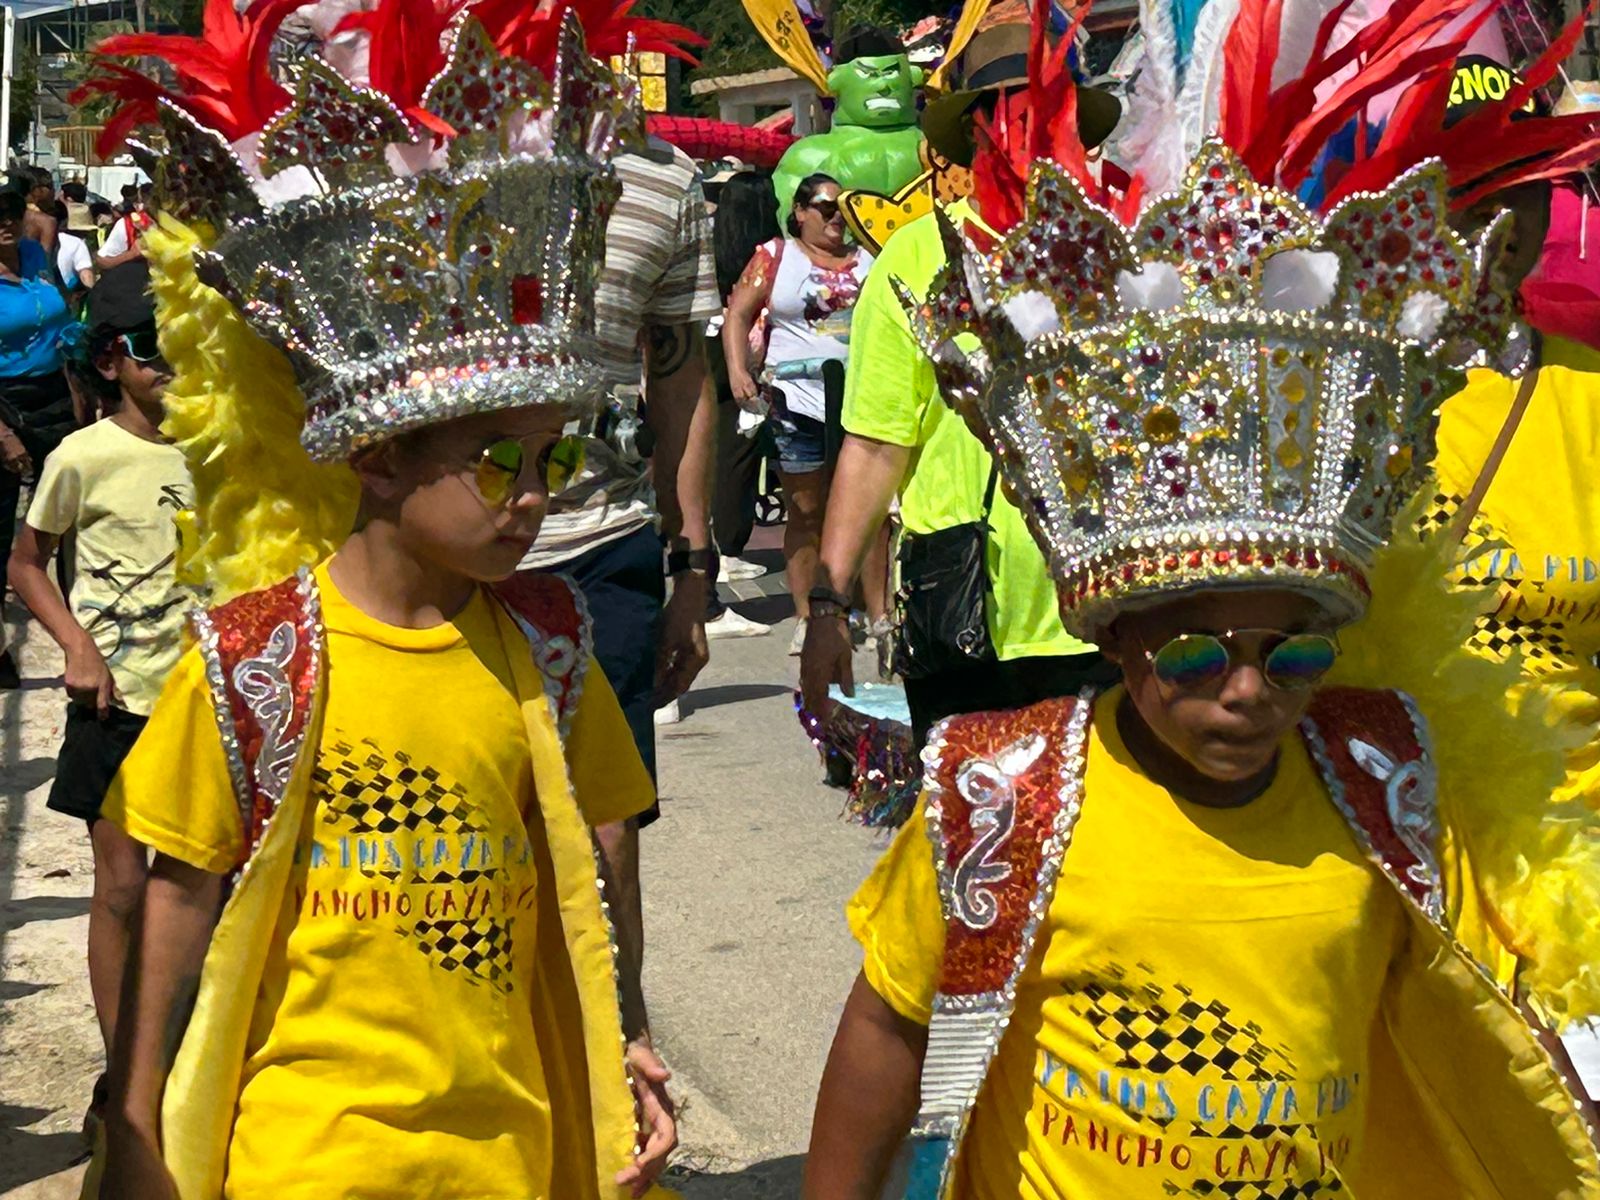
(875,144)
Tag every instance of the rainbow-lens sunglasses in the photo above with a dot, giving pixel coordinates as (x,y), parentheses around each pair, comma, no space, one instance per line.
(502,463)
(1289,661)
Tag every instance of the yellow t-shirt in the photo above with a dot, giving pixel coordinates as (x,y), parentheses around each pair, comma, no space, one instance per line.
(1541,516)
(120,493)
(392,1053)
(890,397)
(1194,1020)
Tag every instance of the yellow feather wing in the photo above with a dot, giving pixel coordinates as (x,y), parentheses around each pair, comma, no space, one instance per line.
(1518,787)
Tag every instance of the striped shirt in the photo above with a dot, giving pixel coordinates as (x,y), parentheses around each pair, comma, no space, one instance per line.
(658,271)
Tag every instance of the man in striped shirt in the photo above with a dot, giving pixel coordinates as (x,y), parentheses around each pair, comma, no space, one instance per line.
(644,485)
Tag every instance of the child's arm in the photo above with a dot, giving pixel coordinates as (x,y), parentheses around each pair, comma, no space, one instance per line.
(180,907)
(867,1101)
(88,677)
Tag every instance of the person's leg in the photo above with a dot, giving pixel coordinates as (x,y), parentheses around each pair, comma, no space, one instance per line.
(875,576)
(120,865)
(92,750)
(802,534)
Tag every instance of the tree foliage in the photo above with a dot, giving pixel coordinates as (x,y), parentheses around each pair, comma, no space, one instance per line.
(736,47)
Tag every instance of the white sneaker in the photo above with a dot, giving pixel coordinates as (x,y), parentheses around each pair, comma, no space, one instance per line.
(731,625)
(737,568)
(799,638)
(668,715)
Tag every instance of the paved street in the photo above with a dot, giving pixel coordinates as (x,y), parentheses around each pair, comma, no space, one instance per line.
(745,880)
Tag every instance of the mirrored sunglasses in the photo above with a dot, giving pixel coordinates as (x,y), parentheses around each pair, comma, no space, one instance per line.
(141,345)
(1289,661)
(502,462)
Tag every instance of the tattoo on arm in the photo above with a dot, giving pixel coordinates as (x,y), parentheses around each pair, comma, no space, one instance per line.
(668,348)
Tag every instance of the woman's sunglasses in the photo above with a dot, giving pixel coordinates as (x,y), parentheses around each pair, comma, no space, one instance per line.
(826,209)
(502,463)
(1288,661)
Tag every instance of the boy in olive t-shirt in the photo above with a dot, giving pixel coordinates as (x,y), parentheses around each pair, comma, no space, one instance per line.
(117,486)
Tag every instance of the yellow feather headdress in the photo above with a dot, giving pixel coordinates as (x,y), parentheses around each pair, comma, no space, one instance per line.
(263,509)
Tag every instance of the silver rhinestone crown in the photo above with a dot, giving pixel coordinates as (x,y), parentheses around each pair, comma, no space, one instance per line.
(405,299)
(1235,390)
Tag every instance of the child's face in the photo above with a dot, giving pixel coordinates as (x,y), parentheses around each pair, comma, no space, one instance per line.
(144,381)
(466,495)
(1226,726)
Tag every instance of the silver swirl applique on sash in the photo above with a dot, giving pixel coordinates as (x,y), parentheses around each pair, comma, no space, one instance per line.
(989,787)
(1410,796)
(263,681)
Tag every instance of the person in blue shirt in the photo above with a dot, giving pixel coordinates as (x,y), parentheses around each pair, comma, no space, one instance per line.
(35,402)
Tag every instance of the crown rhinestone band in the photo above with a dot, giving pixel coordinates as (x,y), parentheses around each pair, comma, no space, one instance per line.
(1232,391)
(407,297)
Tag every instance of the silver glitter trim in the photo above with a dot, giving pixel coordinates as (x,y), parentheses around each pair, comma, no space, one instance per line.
(563,381)
(958,1041)
(962,1073)
(990,790)
(311,609)
(580,670)
(205,630)
(1432,913)
(538,640)
(1418,780)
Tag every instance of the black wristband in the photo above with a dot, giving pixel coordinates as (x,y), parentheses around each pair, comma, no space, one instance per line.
(679,561)
(826,595)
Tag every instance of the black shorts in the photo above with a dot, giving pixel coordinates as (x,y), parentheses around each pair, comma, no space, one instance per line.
(91,752)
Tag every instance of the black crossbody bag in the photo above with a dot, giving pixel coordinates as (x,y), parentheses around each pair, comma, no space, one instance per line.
(942,605)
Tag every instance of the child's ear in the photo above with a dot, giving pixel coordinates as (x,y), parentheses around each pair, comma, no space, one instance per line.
(378,469)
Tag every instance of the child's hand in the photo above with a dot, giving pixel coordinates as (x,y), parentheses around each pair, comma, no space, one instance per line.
(89,680)
(658,1126)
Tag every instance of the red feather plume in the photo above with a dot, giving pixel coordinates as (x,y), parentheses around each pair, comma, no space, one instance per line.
(406,51)
(1280,133)
(1036,122)
(1489,149)
(223,80)
(531,31)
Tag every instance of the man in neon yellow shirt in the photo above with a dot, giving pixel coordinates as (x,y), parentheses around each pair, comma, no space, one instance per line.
(901,439)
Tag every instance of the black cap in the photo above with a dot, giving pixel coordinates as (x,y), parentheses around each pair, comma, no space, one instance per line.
(120,301)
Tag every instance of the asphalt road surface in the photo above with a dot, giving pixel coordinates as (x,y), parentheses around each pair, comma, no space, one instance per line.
(748,957)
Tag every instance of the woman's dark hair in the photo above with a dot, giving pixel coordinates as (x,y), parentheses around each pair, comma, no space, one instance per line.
(58,210)
(746,216)
(75,191)
(805,194)
(101,208)
(13,204)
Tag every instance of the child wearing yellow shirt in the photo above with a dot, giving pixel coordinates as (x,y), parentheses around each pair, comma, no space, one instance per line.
(1195,936)
(375,955)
